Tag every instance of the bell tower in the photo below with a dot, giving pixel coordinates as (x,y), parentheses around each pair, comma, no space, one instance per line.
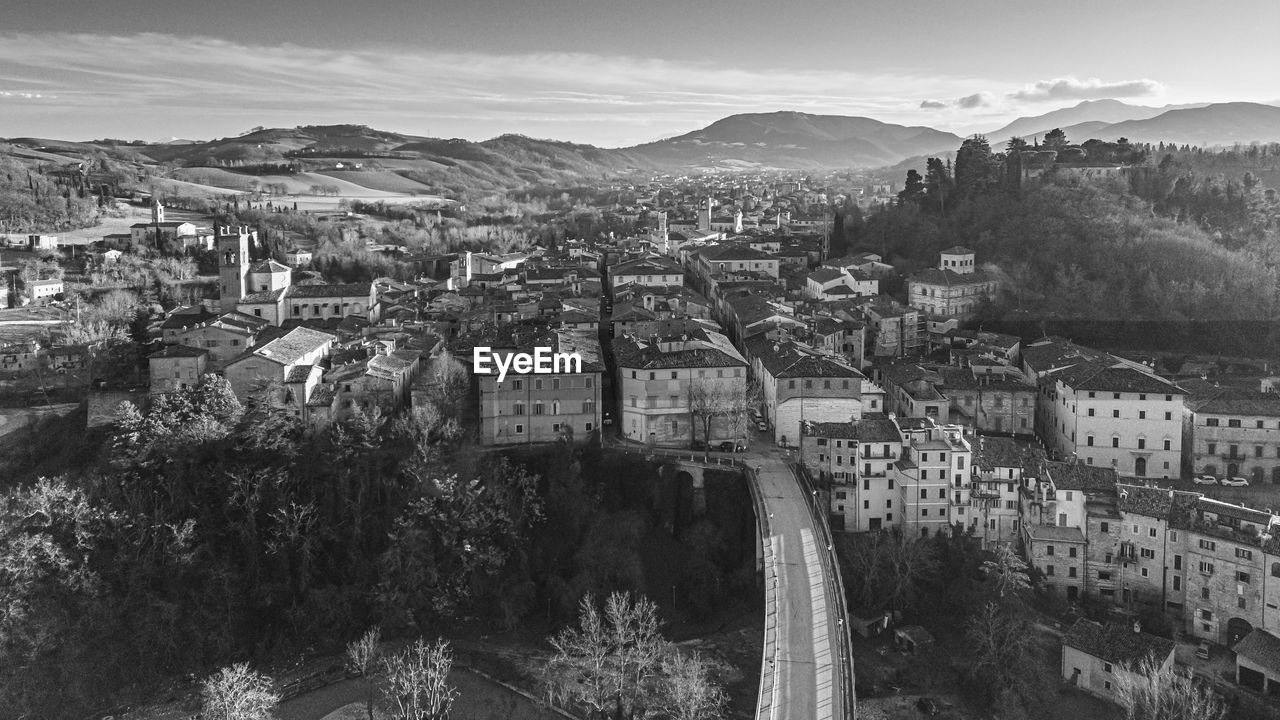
(233,264)
(157,212)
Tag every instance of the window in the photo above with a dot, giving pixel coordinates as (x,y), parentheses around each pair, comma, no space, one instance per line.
(675,375)
(1206,615)
(888,517)
(555,383)
(1148,553)
(1142,414)
(1115,413)
(1177,563)
(1275,569)
(1257,451)
(1206,568)
(924,494)
(1092,394)
(1105,527)
(1115,396)
(866,504)
(1071,551)
(1104,576)
(1235,423)
(1145,572)
(1204,593)
(1242,577)
(537,384)
(1106,667)
(518,409)
(1240,603)
(1088,440)
(1168,416)
(1177,582)
(1048,570)
(924,512)
(1244,555)
(1168,446)
(1071,572)
(1212,448)
(517,384)
(889,504)
(1151,532)
(1090,413)
(1142,443)
(1208,544)
(1049,550)
(1211,422)
(519,429)
(1115,442)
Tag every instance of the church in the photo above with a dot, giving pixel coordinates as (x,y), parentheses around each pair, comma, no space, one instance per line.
(265,288)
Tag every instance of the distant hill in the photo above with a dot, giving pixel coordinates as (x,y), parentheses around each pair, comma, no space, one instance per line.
(1217,124)
(1092,112)
(796,140)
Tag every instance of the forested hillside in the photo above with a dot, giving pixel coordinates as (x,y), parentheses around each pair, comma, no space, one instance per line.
(1183,254)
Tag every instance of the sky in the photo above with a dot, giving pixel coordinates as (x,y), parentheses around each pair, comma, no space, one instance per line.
(605,72)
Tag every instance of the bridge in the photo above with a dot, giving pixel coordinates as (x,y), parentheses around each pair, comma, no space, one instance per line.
(806,668)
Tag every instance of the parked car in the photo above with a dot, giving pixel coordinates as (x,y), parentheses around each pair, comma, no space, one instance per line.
(762,426)
(1236,482)
(733,446)
(1205,480)
(1202,650)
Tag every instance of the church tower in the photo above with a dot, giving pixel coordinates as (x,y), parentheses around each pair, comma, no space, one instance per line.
(157,212)
(233,264)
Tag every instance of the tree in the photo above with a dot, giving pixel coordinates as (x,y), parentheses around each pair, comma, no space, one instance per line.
(1055,139)
(913,190)
(976,168)
(1149,691)
(1003,666)
(1008,572)
(689,692)
(362,659)
(608,661)
(237,693)
(417,681)
(887,569)
(726,398)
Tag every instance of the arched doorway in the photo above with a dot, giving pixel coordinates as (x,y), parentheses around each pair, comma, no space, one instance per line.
(1237,628)
(1232,469)
(1140,467)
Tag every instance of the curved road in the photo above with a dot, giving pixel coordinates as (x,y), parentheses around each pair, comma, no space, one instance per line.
(801,677)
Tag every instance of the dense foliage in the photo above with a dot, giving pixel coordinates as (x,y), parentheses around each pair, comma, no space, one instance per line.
(1171,258)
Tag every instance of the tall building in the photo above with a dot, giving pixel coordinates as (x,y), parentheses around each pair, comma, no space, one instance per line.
(933,477)
(232,245)
(543,408)
(954,288)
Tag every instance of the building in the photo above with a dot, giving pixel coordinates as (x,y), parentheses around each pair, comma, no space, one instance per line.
(224,337)
(42,242)
(1258,662)
(650,271)
(1112,414)
(176,367)
(1235,433)
(932,476)
(912,391)
(1150,561)
(992,402)
(954,288)
(797,384)
(857,458)
(274,362)
(543,408)
(1226,570)
(1058,508)
(730,259)
(1002,467)
(232,245)
(672,389)
(43,290)
(838,283)
(896,329)
(1095,657)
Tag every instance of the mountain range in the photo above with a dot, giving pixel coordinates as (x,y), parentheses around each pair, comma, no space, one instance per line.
(397,163)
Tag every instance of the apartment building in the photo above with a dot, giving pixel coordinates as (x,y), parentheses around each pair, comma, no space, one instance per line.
(1002,467)
(932,475)
(543,407)
(858,457)
(798,384)
(1235,433)
(1226,570)
(954,288)
(659,377)
(1112,415)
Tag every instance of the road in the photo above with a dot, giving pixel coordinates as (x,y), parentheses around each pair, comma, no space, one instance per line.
(800,678)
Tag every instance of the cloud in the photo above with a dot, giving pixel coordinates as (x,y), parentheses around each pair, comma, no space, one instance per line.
(162,85)
(976,100)
(1071,88)
(932,105)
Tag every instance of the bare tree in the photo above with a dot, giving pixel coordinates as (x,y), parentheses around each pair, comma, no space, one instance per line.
(417,681)
(725,398)
(637,647)
(237,693)
(689,692)
(1149,691)
(362,659)
(887,569)
(608,661)
(579,670)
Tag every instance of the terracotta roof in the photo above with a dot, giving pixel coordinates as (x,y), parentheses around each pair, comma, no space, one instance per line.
(330,291)
(1078,476)
(957,250)
(293,345)
(826,274)
(1117,644)
(1152,502)
(1096,376)
(260,298)
(948,277)
(298,373)
(1055,533)
(993,452)
(1261,648)
(1236,401)
(1239,512)
(268,266)
(178,351)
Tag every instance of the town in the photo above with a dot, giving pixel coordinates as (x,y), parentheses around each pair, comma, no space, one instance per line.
(708,323)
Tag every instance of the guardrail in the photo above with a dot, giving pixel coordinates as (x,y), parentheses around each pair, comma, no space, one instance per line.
(845,638)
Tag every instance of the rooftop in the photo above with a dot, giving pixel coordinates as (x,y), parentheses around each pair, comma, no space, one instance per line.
(1261,648)
(993,452)
(1079,476)
(331,291)
(1118,644)
(293,345)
